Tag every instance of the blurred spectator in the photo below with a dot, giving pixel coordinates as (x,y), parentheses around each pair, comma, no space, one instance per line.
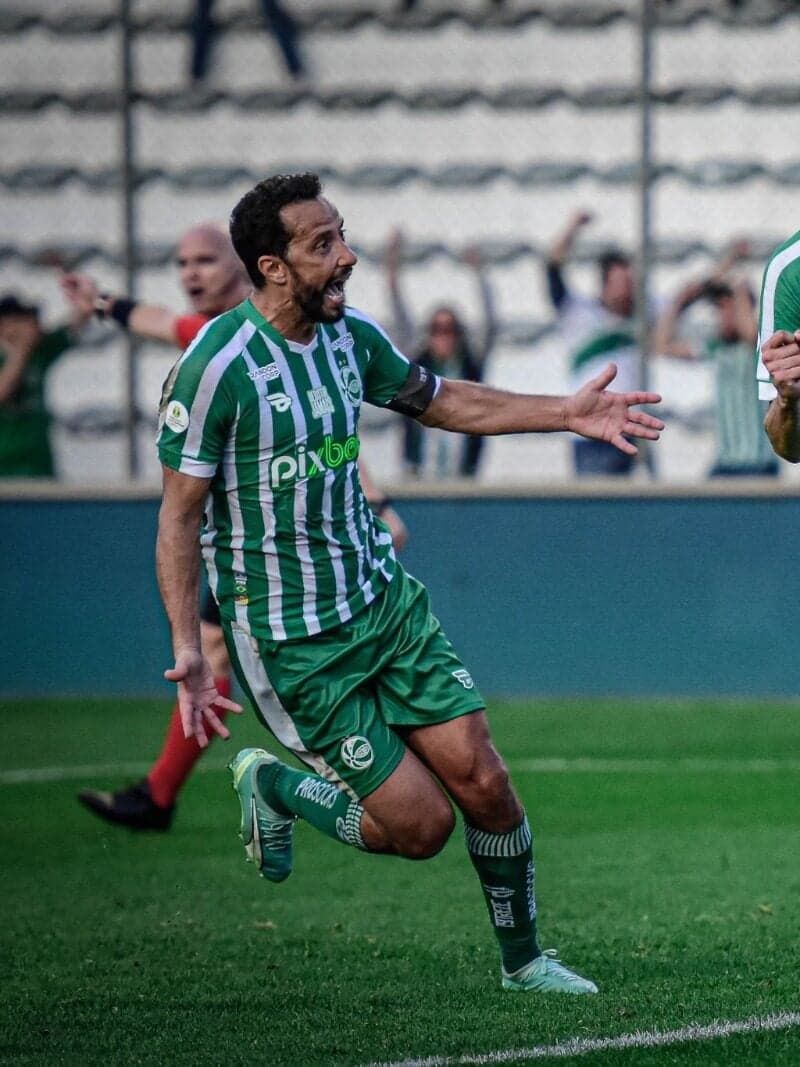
(742,447)
(279,22)
(597,331)
(27,351)
(447,349)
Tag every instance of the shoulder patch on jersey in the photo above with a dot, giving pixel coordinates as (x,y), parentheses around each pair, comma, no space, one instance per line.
(177,418)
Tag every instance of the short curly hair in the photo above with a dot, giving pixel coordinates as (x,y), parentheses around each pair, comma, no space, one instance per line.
(256,226)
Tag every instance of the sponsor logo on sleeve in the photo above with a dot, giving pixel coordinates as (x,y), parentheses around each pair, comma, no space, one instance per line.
(465,678)
(177,417)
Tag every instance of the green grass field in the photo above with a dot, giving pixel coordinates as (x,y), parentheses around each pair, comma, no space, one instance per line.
(668,869)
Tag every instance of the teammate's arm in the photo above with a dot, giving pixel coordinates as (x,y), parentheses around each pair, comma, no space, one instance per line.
(781,355)
(178,569)
(594,411)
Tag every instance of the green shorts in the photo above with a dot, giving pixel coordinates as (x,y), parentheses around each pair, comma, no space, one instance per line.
(345,692)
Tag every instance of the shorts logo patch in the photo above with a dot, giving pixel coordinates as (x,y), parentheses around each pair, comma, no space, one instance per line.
(465,678)
(356,753)
(177,416)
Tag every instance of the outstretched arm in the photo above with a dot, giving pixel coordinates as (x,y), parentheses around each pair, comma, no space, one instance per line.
(144,320)
(178,569)
(595,412)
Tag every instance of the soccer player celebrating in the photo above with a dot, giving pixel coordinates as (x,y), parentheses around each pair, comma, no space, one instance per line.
(779,340)
(214,280)
(258,444)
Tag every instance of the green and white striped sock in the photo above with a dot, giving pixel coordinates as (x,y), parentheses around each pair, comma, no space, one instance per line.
(504,863)
(314,799)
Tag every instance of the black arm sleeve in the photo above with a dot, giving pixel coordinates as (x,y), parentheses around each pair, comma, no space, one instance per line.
(556,286)
(416,393)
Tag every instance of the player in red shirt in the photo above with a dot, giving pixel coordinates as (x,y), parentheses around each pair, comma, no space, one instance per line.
(214,280)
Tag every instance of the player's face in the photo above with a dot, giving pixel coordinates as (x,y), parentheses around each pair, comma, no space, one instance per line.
(618,290)
(211,274)
(319,259)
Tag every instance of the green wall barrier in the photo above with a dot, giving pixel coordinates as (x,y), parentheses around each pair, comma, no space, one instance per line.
(631,594)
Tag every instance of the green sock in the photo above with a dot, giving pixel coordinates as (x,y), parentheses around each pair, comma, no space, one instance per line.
(310,797)
(504,863)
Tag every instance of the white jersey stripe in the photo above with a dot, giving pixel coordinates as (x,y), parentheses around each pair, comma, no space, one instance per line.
(208,386)
(308,571)
(273,712)
(766,390)
(268,547)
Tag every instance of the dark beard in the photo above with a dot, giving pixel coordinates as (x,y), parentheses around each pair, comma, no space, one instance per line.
(311,303)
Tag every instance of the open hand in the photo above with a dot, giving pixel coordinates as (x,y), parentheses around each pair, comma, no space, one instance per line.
(596,413)
(197,696)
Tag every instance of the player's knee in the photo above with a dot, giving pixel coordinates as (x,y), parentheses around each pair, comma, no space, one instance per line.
(428,836)
(487,781)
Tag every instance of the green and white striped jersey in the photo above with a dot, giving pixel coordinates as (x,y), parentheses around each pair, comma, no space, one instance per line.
(780,303)
(289,541)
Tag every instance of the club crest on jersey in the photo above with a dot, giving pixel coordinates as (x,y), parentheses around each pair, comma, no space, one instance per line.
(352,385)
(321,403)
(267,374)
(343,343)
(280,402)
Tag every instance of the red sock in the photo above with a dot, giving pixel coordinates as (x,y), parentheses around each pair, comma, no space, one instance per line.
(178,755)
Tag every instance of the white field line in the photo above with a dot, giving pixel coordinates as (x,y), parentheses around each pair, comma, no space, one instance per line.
(623,765)
(26,775)
(578,1046)
(554,765)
